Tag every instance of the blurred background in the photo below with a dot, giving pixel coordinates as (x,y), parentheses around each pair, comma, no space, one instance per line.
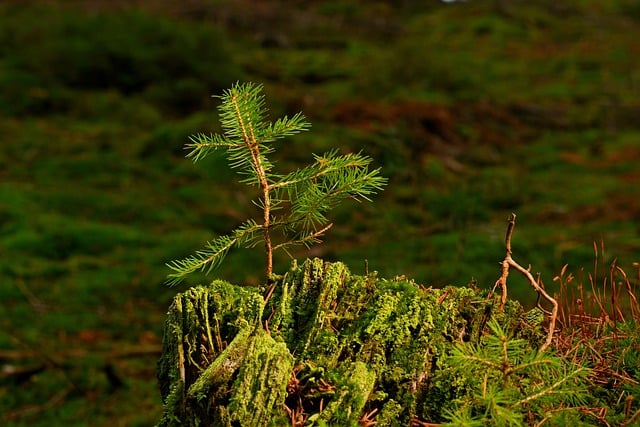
(473,110)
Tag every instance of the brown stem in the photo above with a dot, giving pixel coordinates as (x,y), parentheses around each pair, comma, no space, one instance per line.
(253,145)
(266,225)
(502,281)
(510,227)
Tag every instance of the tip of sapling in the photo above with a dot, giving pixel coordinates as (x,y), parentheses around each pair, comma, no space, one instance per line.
(301,198)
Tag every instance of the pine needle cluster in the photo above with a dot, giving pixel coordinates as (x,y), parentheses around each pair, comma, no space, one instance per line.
(294,204)
(513,384)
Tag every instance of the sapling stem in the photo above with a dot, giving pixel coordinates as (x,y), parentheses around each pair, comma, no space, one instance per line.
(309,192)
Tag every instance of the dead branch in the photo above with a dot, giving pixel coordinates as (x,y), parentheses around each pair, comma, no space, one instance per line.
(502,281)
(509,262)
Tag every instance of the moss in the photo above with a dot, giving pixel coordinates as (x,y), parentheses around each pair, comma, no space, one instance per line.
(389,414)
(337,346)
(261,387)
(356,382)
(304,306)
(206,334)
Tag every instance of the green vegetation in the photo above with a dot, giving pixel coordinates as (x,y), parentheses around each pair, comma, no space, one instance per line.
(508,383)
(349,350)
(473,110)
(308,192)
(359,342)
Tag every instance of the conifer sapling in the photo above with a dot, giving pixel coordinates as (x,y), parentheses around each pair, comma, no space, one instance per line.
(294,204)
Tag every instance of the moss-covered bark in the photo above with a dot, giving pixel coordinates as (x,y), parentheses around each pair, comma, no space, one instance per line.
(337,346)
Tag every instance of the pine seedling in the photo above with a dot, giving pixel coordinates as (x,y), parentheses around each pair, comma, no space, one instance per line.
(294,204)
(510,380)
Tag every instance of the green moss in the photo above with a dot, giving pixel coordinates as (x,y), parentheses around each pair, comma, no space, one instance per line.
(261,387)
(207,333)
(389,414)
(356,382)
(358,344)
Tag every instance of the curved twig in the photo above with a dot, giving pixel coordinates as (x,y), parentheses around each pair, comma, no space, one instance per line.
(535,284)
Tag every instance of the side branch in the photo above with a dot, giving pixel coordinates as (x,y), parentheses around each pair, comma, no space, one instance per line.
(313,237)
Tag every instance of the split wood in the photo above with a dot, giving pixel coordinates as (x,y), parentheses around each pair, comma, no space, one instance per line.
(509,262)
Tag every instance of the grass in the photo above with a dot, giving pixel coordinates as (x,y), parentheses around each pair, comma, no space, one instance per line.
(599,315)
(472,111)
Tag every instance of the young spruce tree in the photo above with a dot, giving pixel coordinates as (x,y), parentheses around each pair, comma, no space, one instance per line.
(293,204)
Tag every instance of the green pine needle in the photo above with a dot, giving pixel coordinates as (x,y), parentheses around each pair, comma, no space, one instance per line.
(506,375)
(309,193)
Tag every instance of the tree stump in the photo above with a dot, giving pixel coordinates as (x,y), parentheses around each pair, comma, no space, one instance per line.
(328,348)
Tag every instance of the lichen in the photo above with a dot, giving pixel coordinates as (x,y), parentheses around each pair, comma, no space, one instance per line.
(328,348)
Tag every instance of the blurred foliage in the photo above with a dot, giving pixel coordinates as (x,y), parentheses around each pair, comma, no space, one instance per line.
(472,109)
(46,61)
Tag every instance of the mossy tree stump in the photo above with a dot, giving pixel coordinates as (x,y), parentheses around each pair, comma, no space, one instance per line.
(329,348)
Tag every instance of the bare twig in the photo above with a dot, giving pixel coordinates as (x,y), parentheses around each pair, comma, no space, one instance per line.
(502,281)
(509,262)
(415,422)
(368,419)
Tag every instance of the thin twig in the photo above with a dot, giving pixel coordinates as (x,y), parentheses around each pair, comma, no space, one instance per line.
(502,281)
(510,227)
(509,262)
(545,295)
